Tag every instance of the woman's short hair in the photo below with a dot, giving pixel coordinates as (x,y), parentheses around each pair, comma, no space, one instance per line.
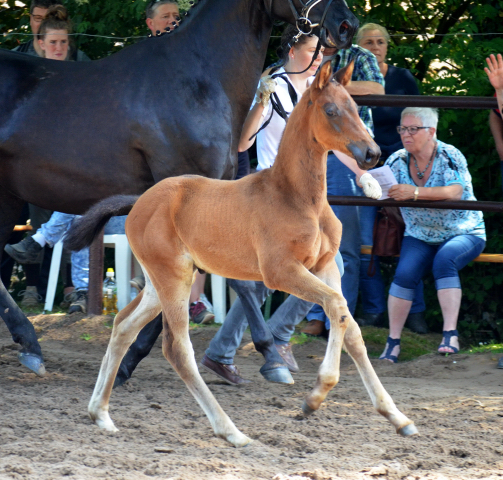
(371,26)
(56,19)
(287,42)
(428,116)
(153,5)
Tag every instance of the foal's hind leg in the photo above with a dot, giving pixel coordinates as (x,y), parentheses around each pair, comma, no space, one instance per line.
(178,350)
(127,324)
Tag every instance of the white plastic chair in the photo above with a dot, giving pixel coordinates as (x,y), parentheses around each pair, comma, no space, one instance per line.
(122,276)
(122,270)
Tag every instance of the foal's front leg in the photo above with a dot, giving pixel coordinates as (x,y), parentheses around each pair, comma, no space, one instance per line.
(129,321)
(343,330)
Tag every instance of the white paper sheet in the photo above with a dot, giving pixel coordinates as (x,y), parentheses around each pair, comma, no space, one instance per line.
(386,179)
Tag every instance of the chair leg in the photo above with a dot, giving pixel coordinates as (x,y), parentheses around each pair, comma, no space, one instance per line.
(218,295)
(53,276)
(123,270)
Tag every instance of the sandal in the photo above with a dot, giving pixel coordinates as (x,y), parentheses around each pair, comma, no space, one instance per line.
(448,334)
(391,343)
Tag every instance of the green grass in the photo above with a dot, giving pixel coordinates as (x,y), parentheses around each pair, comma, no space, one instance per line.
(484,348)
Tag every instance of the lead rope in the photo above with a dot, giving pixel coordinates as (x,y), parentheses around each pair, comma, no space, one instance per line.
(275,101)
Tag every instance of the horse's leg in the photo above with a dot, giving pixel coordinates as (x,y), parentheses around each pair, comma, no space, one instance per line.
(343,330)
(128,322)
(139,350)
(20,327)
(274,368)
(178,350)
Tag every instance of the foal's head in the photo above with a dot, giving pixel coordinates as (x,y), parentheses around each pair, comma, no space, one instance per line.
(334,119)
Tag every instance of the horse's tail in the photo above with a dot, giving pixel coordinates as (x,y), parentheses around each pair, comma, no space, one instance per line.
(86,228)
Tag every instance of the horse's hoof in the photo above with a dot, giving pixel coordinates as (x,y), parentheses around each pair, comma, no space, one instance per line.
(33,362)
(307,410)
(277,375)
(121,378)
(408,430)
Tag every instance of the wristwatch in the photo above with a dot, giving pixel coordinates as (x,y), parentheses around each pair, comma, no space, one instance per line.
(416,193)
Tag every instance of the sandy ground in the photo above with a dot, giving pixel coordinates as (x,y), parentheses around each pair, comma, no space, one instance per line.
(45,432)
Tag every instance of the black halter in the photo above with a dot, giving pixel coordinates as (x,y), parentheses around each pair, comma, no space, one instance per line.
(302,21)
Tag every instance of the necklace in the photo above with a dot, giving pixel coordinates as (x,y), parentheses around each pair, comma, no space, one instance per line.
(420,174)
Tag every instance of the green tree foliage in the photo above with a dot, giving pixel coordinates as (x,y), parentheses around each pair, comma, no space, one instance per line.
(445,45)
(443,42)
(124,20)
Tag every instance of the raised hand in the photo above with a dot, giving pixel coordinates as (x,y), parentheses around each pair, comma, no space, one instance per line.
(266,87)
(494,71)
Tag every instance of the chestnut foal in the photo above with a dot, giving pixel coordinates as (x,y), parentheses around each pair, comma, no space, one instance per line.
(275,226)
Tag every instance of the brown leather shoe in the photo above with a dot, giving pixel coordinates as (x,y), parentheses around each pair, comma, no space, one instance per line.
(287,355)
(314,328)
(228,373)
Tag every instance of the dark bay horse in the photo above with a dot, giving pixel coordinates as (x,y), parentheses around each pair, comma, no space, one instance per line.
(190,221)
(74,133)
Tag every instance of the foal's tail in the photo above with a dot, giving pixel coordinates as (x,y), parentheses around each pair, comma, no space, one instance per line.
(86,228)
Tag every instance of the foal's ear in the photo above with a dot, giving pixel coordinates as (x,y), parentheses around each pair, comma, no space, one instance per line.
(324,75)
(343,76)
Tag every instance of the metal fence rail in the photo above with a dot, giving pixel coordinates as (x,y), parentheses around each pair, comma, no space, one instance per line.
(440,204)
(426,101)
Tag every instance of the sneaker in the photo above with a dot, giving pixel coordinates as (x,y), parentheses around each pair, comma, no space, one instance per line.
(199,314)
(138,283)
(80,302)
(26,251)
(31,298)
(203,298)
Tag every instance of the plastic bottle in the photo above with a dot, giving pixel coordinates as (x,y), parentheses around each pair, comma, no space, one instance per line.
(110,293)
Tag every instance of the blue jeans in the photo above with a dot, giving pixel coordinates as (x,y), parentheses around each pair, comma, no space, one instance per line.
(372,289)
(282,324)
(55,229)
(445,260)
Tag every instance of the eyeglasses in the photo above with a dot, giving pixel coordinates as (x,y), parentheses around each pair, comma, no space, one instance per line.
(412,130)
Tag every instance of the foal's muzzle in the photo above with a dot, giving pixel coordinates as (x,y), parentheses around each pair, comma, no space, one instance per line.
(365,155)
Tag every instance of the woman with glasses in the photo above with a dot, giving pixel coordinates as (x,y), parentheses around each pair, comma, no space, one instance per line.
(443,241)
(397,81)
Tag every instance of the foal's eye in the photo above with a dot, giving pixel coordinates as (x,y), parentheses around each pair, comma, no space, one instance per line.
(331,109)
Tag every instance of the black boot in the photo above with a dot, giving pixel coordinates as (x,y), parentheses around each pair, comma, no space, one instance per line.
(371,320)
(416,323)
(139,350)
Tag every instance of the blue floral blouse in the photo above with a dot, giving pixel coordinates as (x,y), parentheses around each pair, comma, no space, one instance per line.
(433,225)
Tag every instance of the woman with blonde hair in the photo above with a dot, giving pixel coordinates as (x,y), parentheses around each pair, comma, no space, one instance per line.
(397,81)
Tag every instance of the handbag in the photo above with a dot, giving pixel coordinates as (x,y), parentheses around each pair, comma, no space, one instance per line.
(387,236)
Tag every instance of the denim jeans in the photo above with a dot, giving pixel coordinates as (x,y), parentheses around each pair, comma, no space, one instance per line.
(56,228)
(445,260)
(342,181)
(372,291)
(282,324)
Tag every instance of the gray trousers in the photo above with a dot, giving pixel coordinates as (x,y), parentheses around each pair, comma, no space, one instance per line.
(282,324)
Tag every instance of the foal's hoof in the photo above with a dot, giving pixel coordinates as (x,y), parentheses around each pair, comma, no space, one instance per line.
(408,430)
(307,410)
(279,374)
(33,362)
